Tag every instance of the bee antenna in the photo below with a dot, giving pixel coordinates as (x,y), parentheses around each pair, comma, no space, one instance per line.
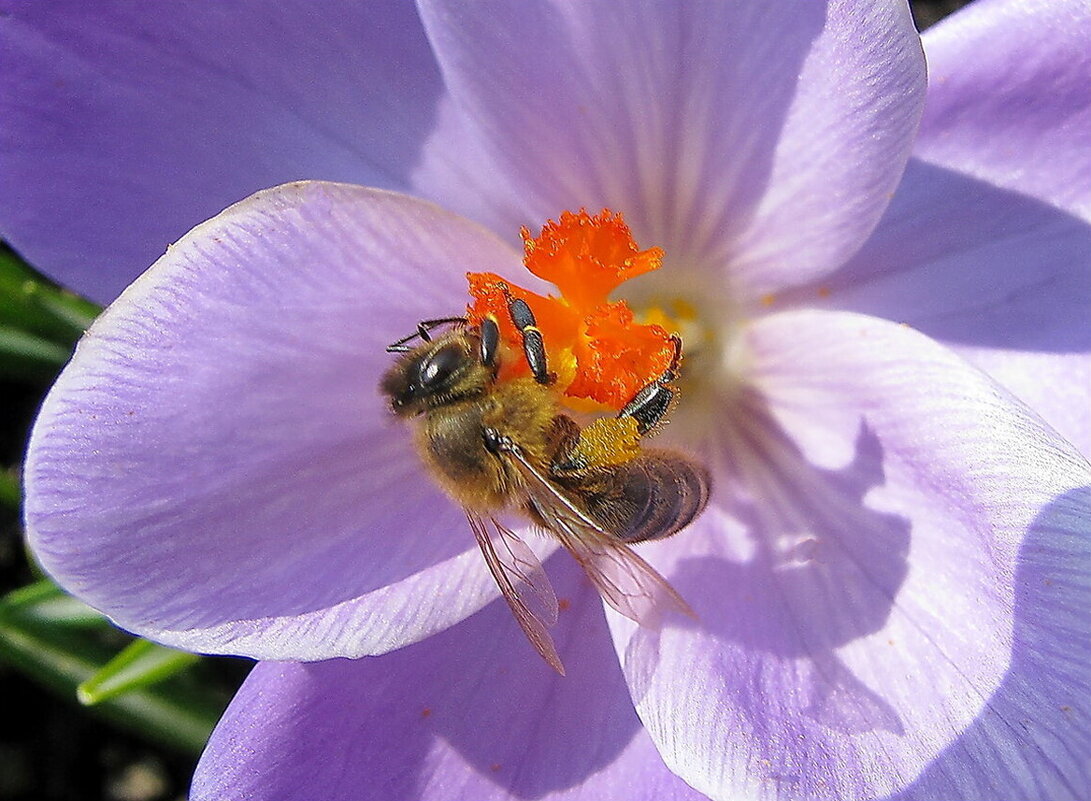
(423,333)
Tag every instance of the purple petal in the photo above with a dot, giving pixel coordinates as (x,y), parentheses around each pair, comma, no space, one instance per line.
(216,469)
(1055,385)
(714,127)
(472,713)
(1034,740)
(1000,276)
(123,125)
(1009,97)
(858,577)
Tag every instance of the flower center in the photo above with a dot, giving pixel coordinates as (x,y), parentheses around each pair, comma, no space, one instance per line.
(602,355)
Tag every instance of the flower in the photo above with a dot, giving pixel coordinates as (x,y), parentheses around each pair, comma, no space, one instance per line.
(892,575)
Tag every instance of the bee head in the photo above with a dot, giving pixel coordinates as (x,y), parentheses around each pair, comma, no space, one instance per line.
(435,373)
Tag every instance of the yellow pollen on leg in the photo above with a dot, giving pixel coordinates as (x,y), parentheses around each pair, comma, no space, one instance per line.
(608,441)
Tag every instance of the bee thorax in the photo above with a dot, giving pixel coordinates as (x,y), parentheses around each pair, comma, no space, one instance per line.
(454,449)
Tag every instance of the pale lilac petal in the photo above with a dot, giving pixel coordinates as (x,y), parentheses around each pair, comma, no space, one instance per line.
(473,713)
(216,468)
(1033,742)
(1055,385)
(123,125)
(1009,97)
(716,128)
(860,578)
(1003,278)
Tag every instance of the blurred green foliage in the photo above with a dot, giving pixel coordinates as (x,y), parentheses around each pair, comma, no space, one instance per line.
(39,321)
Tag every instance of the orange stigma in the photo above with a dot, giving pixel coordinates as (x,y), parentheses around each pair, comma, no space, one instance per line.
(594,346)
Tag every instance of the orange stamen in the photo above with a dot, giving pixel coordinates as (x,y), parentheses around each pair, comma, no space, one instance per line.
(587,257)
(594,346)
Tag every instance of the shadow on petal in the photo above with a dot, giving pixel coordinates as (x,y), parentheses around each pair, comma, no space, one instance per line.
(856,571)
(969,263)
(822,569)
(546,732)
(471,713)
(1033,739)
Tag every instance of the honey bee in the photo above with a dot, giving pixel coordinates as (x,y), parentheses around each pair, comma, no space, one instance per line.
(496,445)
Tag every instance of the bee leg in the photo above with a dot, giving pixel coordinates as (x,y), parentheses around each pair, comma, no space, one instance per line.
(490,343)
(533,344)
(650,405)
(497,443)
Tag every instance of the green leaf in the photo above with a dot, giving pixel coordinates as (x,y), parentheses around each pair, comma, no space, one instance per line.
(141,664)
(44,604)
(32,303)
(29,356)
(44,642)
(11,490)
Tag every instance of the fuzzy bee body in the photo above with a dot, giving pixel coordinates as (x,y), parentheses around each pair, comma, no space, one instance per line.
(451,442)
(495,445)
(648,498)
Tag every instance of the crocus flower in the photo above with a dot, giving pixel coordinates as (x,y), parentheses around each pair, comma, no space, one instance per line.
(892,578)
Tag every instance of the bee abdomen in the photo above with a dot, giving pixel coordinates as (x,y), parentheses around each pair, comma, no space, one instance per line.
(651,497)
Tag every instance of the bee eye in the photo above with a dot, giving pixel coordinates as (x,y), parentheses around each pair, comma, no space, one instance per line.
(439,365)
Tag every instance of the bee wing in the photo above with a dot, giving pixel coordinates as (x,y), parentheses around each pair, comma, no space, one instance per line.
(523,583)
(624,580)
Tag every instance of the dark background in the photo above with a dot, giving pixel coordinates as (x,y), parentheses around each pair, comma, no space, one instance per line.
(51,749)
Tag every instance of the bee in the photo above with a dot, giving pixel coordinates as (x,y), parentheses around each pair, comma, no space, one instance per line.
(506,445)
